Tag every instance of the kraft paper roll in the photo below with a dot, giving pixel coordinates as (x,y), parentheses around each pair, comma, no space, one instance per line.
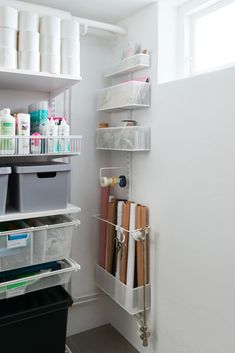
(28,21)
(8,38)
(70,29)
(50,25)
(70,65)
(8,17)
(50,44)
(8,58)
(50,63)
(29,41)
(29,60)
(70,47)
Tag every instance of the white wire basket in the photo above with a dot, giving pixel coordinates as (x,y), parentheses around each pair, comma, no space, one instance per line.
(131,64)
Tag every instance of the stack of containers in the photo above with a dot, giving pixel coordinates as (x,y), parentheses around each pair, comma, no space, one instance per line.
(8,37)
(28,46)
(70,48)
(50,32)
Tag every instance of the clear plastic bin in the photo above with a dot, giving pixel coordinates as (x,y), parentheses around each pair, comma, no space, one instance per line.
(132,63)
(37,241)
(131,138)
(127,95)
(132,300)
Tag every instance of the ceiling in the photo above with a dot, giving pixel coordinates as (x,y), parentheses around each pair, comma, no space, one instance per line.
(111,11)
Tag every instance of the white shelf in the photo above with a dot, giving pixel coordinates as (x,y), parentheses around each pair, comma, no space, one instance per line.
(36,81)
(12,214)
(124,107)
(128,65)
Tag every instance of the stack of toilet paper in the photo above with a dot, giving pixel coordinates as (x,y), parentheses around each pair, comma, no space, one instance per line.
(8,37)
(28,45)
(70,48)
(50,33)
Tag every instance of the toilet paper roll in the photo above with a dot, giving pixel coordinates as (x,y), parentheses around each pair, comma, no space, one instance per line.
(8,17)
(29,60)
(70,47)
(28,21)
(50,63)
(70,65)
(29,41)
(8,38)
(8,58)
(50,44)
(50,25)
(70,29)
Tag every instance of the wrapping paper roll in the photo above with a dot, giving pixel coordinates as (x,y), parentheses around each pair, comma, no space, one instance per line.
(28,41)
(50,25)
(50,44)
(70,47)
(8,38)
(50,63)
(70,65)
(8,17)
(70,29)
(29,60)
(8,58)
(28,21)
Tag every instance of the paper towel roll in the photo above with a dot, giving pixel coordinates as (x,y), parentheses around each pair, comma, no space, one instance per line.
(29,41)
(50,25)
(70,29)
(29,60)
(70,47)
(8,17)
(8,58)
(50,63)
(28,21)
(50,44)
(8,38)
(70,65)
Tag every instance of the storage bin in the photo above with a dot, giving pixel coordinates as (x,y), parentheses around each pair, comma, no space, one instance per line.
(127,95)
(37,187)
(131,138)
(4,175)
(35,322)
(35,241)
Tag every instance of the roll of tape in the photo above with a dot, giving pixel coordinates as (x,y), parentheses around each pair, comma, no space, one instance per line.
(50,44)
(28,21)
(29,60)
(8,38)
(70,47)
(50,63)
(50,25)
(70,29)
(8,58)
(28,41)
(8,17)
(70,65)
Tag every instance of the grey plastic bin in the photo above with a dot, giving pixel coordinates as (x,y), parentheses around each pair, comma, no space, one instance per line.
(40,187)
(4,175)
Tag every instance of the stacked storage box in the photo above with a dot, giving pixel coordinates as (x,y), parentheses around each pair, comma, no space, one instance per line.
(50,32)
(28,46)
(8,37)
(4,174)
(70,48)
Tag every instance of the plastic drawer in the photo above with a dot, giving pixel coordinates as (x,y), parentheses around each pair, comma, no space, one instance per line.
(4,175)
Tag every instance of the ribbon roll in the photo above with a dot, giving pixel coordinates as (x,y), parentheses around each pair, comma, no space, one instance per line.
(113,181)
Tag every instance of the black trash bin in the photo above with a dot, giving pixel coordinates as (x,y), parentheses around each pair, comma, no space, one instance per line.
(35,322)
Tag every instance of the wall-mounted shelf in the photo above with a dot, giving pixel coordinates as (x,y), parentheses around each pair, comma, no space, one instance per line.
(131,138)
(128,65)
(12,214)
(54,84)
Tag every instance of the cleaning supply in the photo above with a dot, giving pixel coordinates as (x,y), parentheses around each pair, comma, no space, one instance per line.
(36,143)
(38,116)
(7,128)
(23,130)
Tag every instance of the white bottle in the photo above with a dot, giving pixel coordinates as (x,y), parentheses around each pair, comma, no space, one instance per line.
(7,128)
(61,135)
(23,130)
(53,139)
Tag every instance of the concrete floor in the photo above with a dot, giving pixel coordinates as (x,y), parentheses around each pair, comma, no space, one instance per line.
(104,339)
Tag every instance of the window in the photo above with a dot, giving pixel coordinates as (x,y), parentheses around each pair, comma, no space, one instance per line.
(209,36)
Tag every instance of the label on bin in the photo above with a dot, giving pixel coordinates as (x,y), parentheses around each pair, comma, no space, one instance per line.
(13,292)
(17,240)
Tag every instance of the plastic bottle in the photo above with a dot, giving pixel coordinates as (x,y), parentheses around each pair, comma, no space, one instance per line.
(61,135)
(67,140)
(7,128)
(23,130)
(53,139)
